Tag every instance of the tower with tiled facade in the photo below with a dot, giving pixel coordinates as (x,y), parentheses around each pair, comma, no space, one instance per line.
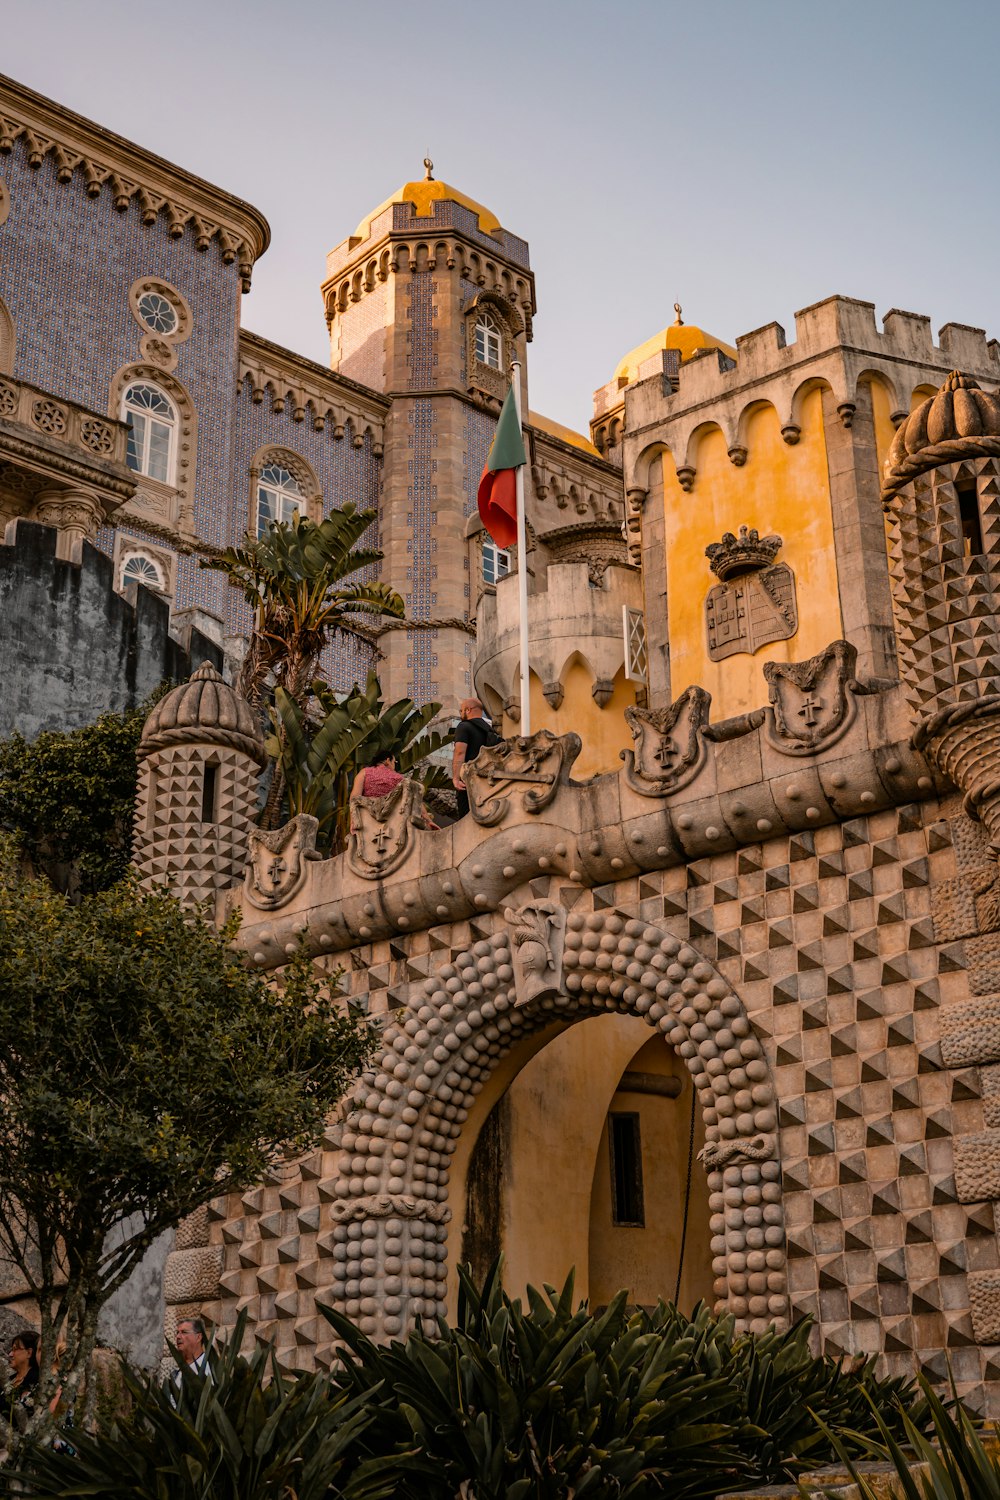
(427,304)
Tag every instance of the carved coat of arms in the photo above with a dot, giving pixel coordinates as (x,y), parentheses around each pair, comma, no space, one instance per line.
(278,860)
(382,829)
(537,934)
(812,701)
(755,602)
(669,746)
(533,765)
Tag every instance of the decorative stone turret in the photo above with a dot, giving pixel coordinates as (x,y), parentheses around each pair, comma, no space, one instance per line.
(199,759)
(942,496)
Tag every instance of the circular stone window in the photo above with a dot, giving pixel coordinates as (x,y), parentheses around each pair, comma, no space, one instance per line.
(160,309)
(159,315)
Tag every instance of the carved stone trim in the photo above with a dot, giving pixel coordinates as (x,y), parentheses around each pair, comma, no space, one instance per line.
(4,201)
(669,744)
(812,702)
(382,829)
(128,172)
(278,859)
(537,933)
(540,764)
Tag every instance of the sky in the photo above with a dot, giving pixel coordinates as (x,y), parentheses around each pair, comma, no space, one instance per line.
(742,157)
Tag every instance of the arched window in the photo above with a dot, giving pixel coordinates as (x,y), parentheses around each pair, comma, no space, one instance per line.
(489,342)
(279,496)
(152,435)
(138,568)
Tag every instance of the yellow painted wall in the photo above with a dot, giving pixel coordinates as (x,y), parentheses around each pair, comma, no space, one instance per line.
(603,731)
(645,1259)
(779,489)
(560,1090)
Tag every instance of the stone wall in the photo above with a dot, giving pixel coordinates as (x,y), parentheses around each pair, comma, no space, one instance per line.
(72,648)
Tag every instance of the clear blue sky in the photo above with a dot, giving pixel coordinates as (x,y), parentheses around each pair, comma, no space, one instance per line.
(743,157)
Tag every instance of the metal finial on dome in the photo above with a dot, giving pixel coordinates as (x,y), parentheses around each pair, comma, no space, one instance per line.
(429,172)
(679,321)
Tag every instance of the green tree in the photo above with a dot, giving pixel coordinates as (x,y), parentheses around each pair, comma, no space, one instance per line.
(320,757)
(300,580)
(143,1071)
(69,799)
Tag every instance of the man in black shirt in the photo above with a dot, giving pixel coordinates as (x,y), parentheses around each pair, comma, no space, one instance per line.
(471,736)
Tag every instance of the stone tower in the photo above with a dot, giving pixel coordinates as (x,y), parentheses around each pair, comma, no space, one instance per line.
(428,303)
(199,760)
(942,499)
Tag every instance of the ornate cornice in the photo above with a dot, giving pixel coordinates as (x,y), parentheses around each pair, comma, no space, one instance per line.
(307,386)
(106,160)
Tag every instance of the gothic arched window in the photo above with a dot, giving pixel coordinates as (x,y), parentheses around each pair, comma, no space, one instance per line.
(152,431)
(489,342)
(279,496)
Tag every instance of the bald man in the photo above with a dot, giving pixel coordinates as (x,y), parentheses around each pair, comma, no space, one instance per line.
(473,734)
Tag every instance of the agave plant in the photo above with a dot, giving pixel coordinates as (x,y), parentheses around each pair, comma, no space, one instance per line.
(319,758)
(300,580)
(248,1433)
(949,1461)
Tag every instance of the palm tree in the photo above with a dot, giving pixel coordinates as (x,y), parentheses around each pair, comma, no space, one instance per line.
(319,759)
(299,578)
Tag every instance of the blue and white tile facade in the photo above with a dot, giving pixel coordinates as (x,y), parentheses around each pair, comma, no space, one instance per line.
(67,263)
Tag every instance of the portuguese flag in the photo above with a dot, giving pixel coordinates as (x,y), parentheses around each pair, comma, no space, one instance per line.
(497,488)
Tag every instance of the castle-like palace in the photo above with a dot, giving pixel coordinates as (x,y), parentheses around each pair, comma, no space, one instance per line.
(703,997)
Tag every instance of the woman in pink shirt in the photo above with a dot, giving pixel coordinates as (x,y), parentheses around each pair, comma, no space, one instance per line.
(379,779)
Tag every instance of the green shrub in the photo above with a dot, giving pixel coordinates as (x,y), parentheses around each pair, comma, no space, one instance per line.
(948,1461)
(543,1402)
(554,1402)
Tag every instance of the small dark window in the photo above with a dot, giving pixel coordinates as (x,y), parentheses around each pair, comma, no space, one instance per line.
(208,790)
(968,511)
(626,1170)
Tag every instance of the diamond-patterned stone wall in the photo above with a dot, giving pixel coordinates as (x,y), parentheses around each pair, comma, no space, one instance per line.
(824,943)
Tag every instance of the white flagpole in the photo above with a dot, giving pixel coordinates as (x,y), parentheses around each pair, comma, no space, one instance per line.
(522,562)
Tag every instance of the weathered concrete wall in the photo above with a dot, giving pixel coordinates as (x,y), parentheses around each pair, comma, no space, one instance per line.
(72,648)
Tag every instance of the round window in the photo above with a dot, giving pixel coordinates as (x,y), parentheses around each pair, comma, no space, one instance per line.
(159,315)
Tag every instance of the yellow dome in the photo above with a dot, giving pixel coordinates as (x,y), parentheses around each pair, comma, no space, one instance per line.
(564,434)
(684,337)
(423,196)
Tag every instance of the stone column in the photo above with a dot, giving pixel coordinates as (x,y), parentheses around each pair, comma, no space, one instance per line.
(75,514)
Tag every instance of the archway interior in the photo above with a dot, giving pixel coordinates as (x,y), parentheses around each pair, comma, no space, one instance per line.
(582,1164)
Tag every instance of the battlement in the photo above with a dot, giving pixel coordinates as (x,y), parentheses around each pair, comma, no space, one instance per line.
(837,344)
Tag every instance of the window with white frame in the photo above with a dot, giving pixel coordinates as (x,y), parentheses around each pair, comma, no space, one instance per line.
(152,431)
(496,562)
(139,568)
(279,496)
(489,342)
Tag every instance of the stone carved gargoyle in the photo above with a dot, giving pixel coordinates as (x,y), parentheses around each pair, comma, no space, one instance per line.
(812,701)
(278,860)
(382,829)
(538,763)
(537,934)
(669,746)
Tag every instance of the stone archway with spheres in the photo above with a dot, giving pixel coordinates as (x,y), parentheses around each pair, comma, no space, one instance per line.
(381,1256)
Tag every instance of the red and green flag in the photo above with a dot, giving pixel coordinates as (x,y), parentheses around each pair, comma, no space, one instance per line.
(498,486)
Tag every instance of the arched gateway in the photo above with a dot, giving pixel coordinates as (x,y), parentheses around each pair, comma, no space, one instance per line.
(390,1244)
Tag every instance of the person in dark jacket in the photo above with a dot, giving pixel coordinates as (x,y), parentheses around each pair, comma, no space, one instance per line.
(473,734)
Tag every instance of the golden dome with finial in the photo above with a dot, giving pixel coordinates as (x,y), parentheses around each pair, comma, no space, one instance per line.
(686,338)
(423,195)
